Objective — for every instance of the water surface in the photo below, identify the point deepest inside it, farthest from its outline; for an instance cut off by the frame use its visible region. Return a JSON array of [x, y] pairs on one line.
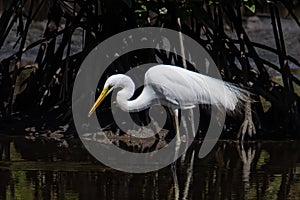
[[46, 170]]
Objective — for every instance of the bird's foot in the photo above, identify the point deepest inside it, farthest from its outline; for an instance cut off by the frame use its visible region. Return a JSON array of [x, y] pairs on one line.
[[248, 125]]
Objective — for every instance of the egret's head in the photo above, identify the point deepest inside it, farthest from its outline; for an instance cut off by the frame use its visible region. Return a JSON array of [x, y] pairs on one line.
[[112, 82]]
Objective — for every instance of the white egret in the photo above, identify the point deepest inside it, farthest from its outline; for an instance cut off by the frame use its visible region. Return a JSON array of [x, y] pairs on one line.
[[175, 87]]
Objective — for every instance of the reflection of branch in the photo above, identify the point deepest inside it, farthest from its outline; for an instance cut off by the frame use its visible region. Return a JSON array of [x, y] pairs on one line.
[[247, 159], [1, 150], [286, 182], [189, 177], [5, 150], [219, 156], [175, 180]]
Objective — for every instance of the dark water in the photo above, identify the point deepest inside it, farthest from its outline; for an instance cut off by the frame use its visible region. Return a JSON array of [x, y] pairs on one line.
[[46, 170]]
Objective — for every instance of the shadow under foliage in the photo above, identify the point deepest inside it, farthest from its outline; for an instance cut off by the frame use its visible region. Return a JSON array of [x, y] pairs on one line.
[[38, 93]]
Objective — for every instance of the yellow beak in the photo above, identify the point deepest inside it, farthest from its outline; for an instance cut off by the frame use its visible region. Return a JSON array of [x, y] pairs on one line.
[[102, 96]]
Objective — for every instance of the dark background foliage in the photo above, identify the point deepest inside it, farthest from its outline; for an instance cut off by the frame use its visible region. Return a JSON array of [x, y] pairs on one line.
[[38, 93]]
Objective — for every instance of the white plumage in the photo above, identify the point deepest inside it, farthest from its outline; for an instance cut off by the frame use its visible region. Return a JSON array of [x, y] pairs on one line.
[[174, 87]]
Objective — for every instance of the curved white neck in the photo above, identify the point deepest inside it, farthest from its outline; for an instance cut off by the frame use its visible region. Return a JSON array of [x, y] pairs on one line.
[[142, 102]]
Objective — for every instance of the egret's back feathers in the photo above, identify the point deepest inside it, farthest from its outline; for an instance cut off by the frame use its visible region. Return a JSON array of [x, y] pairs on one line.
[[177, 87], [187, 88]]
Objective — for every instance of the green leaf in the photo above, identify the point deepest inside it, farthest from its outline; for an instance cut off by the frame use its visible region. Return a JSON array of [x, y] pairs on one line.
[[250, 5], [144, 7], [251, 8], [189, 10], [163, 11], [142, 10], [216, 2]]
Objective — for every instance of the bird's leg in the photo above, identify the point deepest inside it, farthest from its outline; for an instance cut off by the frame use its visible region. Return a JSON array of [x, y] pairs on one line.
[[190, 119], [186, 138], [188, 124], [248, 125], [173, 166], [185, 126], [191, 116], [178, 140], [176, 121]]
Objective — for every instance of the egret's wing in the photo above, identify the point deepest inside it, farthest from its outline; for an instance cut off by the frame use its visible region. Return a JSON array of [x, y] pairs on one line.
[[186, 88]]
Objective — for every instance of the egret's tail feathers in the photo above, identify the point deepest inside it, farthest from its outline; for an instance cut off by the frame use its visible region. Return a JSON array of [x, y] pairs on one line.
[[235, 97], [223, 94]]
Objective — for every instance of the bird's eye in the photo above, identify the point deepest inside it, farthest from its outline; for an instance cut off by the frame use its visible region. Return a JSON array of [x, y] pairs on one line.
[[110, 86]]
